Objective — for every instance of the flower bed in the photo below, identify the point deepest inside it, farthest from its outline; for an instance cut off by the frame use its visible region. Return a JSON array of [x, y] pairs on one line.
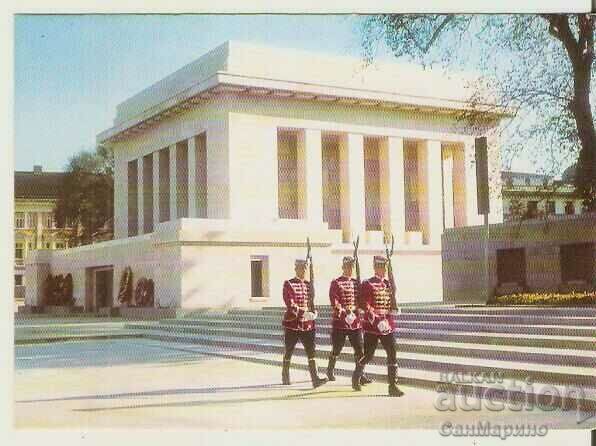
[[555, 299]]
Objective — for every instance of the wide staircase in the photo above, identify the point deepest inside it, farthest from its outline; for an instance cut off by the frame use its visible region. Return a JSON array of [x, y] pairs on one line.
[[538, 355]]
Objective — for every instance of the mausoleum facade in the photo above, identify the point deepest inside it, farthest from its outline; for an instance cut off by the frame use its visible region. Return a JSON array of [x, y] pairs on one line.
[[225, 167]]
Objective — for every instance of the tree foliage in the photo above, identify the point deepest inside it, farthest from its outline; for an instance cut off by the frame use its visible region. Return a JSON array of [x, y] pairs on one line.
[[539, 66], [86, 200]]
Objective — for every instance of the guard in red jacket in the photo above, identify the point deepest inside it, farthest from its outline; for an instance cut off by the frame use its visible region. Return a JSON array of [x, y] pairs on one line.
[[343, 296], [378, 324], [299, 323]]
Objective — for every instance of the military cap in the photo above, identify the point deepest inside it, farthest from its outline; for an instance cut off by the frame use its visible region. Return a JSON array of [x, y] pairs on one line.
[[379, 260], [348, 260], [298, 262]]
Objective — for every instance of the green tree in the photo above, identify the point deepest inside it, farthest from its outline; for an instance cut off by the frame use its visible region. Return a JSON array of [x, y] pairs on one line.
[[539, 66], [86, 198]]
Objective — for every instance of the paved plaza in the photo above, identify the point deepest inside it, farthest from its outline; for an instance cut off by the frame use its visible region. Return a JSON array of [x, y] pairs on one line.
[[143, 383]]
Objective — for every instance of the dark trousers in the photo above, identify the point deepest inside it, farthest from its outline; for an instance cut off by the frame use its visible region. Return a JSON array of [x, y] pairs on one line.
[[338, 339], [291, 337], [371, 341]]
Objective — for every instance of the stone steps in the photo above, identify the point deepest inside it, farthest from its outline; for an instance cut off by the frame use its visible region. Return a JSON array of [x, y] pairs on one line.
[[588, 321], [578, 357], [480, 318], [323, 324], [549, 347], [585, 344], [584, 311], [543, 373]]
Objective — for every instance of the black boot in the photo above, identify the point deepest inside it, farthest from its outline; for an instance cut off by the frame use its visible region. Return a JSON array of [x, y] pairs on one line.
[[314, 377], [356, 376], [285, 373], [365, 379], [391, 374], [331, 367]]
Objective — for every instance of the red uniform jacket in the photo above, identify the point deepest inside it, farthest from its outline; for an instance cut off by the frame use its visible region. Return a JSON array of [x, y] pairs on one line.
[[296, 299], [376, 303], [343, 295]]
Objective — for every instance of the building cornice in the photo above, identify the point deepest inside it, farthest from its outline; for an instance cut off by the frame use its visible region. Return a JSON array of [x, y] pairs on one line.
[[225, 83]]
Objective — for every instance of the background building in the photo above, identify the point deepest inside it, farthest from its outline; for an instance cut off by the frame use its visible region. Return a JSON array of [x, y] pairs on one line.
[[530, 195], [225, 167], [35, 195]]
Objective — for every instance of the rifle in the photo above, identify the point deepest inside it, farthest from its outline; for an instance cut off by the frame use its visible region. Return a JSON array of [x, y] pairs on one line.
[[388, 254], [356, 261], [311, 273]]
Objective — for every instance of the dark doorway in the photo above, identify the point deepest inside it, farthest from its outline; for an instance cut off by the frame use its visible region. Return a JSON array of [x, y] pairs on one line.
[[511, 266], [104, 283], [577, 262]]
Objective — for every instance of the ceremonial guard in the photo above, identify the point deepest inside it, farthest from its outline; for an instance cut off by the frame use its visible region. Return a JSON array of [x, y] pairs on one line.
[[347, 322], [378, 303], [299, 321]]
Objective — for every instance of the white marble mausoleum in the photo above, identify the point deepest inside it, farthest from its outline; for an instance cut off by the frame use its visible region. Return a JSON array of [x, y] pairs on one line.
[[225, 167]]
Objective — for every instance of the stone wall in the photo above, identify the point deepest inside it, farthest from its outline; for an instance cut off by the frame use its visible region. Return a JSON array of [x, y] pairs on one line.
[[463, 253]]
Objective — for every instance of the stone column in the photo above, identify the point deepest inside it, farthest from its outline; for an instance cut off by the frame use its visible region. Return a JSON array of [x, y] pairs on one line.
[[155, 189], [352, 186], [313, 174], [173, 184], [391, 159], [435, 192], [140, 197], [472, 216], [459, 186], [448, 202], [192, 178]]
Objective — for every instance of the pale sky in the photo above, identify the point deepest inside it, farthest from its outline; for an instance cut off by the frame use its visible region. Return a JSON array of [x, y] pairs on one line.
[[72, 71]]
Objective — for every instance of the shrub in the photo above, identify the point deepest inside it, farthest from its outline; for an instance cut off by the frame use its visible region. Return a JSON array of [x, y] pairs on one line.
[[125, 291], [144, 293]]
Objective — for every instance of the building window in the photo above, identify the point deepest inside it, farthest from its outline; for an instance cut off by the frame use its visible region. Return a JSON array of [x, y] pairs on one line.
[[287, 172], [19, 220], [48, 220], [569, 208], [550, 207], [259, 277], [18, 251], [577, 262], [528, 181], [532, 211], [18, 280], [32, 219], [48, 245], [60, 246]]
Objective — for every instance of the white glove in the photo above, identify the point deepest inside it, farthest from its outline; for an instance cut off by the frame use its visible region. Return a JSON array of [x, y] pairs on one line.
[[383, 326], [309, 316], [350, 318]]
